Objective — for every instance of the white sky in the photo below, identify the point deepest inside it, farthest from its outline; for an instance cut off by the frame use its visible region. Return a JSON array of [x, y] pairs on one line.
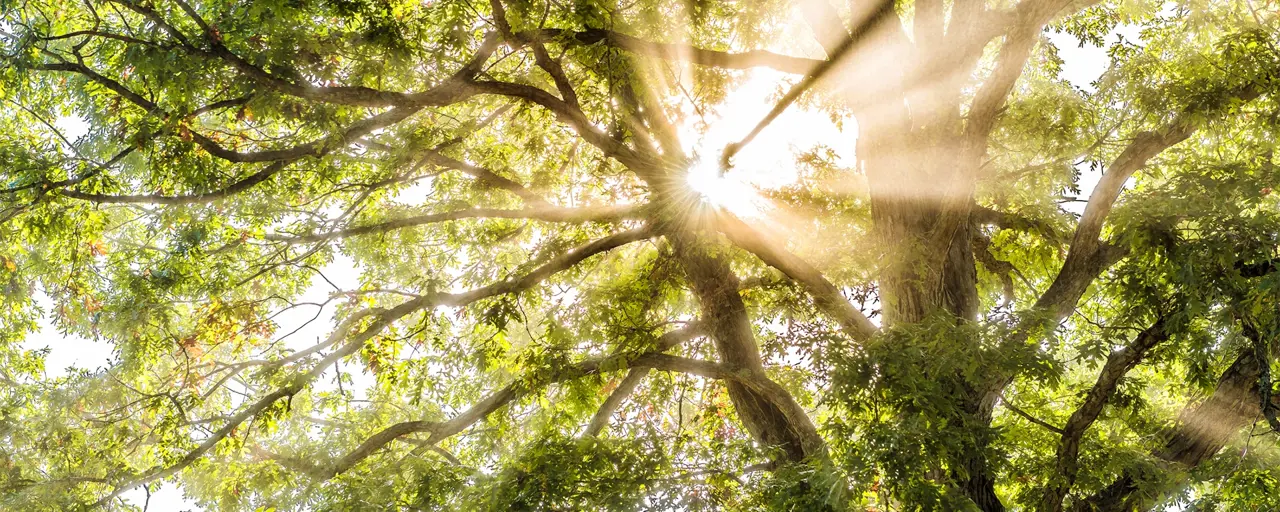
[[757, 166]]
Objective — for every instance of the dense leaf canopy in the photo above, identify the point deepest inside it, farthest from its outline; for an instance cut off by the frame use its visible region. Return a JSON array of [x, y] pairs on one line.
[[543, 286]]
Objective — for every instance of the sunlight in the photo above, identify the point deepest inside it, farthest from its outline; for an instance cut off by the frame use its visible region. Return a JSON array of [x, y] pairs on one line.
[[768, 163], [729, 191]]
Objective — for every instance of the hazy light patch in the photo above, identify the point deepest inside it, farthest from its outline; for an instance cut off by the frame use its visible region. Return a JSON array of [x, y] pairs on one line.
[[307, 325], [417, 192], [71, 127], [168, 497], [1083, 63], [730, 191]]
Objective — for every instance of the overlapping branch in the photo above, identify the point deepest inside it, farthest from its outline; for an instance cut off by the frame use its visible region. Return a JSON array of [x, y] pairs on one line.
[[1202, 431], [439, 431], [380, 321]]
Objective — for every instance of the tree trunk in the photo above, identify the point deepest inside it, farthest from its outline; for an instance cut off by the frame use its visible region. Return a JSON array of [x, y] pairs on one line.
[[921, 276], [725, 315]]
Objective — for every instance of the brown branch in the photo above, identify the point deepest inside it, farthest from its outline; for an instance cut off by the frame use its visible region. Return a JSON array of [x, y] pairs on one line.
[[354, 96], [600, 419], [1005, 270], [675, 52], [446, 93], [280, 158], [1015, 221], [550, 214], [575, 118], [439, 431], [1118, 364], [382, 320], [1027, 416], [1201, 433], [1087, 253], [1086, 249], [1262, 352], [825, 294], [557, 264], [988, 103], [540, 56], [769, 413], [487, 177]]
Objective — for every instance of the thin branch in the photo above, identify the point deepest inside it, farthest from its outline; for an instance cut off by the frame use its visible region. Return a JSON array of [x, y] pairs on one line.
[[825, 294], [439, 431], [1027, 416], [600, 419], [382, 320], [575, 118], [540, 55], [883, 12]]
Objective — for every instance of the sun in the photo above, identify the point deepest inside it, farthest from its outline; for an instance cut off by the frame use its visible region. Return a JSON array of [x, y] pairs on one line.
[[729, 191], [770, 161]]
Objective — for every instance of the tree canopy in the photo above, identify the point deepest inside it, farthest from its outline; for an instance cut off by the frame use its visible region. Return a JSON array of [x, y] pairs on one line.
[[563, 300]]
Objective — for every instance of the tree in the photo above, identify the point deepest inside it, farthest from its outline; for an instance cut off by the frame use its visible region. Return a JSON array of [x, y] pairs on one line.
[[555, 319]]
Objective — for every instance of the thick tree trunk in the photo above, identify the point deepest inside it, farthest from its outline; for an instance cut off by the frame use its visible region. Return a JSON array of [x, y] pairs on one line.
[[923, 275], [725, 315]]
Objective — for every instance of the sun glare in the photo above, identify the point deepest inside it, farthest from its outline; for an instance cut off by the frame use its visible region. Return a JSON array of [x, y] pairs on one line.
[[728, 191], [769, 162]]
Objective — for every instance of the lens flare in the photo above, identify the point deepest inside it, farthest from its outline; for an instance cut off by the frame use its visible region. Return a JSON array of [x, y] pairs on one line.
[[729, 191], [769, 162]]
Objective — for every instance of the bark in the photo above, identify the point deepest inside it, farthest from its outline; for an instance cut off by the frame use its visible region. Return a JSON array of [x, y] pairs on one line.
[[727, 323], [619, 395], [1202, 433], [1118, 364], [825, 294]]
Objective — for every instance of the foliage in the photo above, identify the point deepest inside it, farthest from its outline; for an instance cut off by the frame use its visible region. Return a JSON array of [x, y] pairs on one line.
[[461, 255]]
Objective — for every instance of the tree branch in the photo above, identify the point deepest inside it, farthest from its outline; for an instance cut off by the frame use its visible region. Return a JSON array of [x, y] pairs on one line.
[[600, 419], [883, 12], [1201, 433], [1027, 416], [1118, 364], [825, 294], [575, 118], [487, 177], [439, 431], [549, 214], [1086, 253], [540, 56], [382, 320], [1009, 220]]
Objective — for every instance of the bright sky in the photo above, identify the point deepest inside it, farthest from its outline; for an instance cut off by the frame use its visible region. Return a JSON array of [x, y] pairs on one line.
[[765, 163]]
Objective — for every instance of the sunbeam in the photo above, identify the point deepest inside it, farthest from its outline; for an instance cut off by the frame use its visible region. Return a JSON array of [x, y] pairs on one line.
[[769, 163]]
